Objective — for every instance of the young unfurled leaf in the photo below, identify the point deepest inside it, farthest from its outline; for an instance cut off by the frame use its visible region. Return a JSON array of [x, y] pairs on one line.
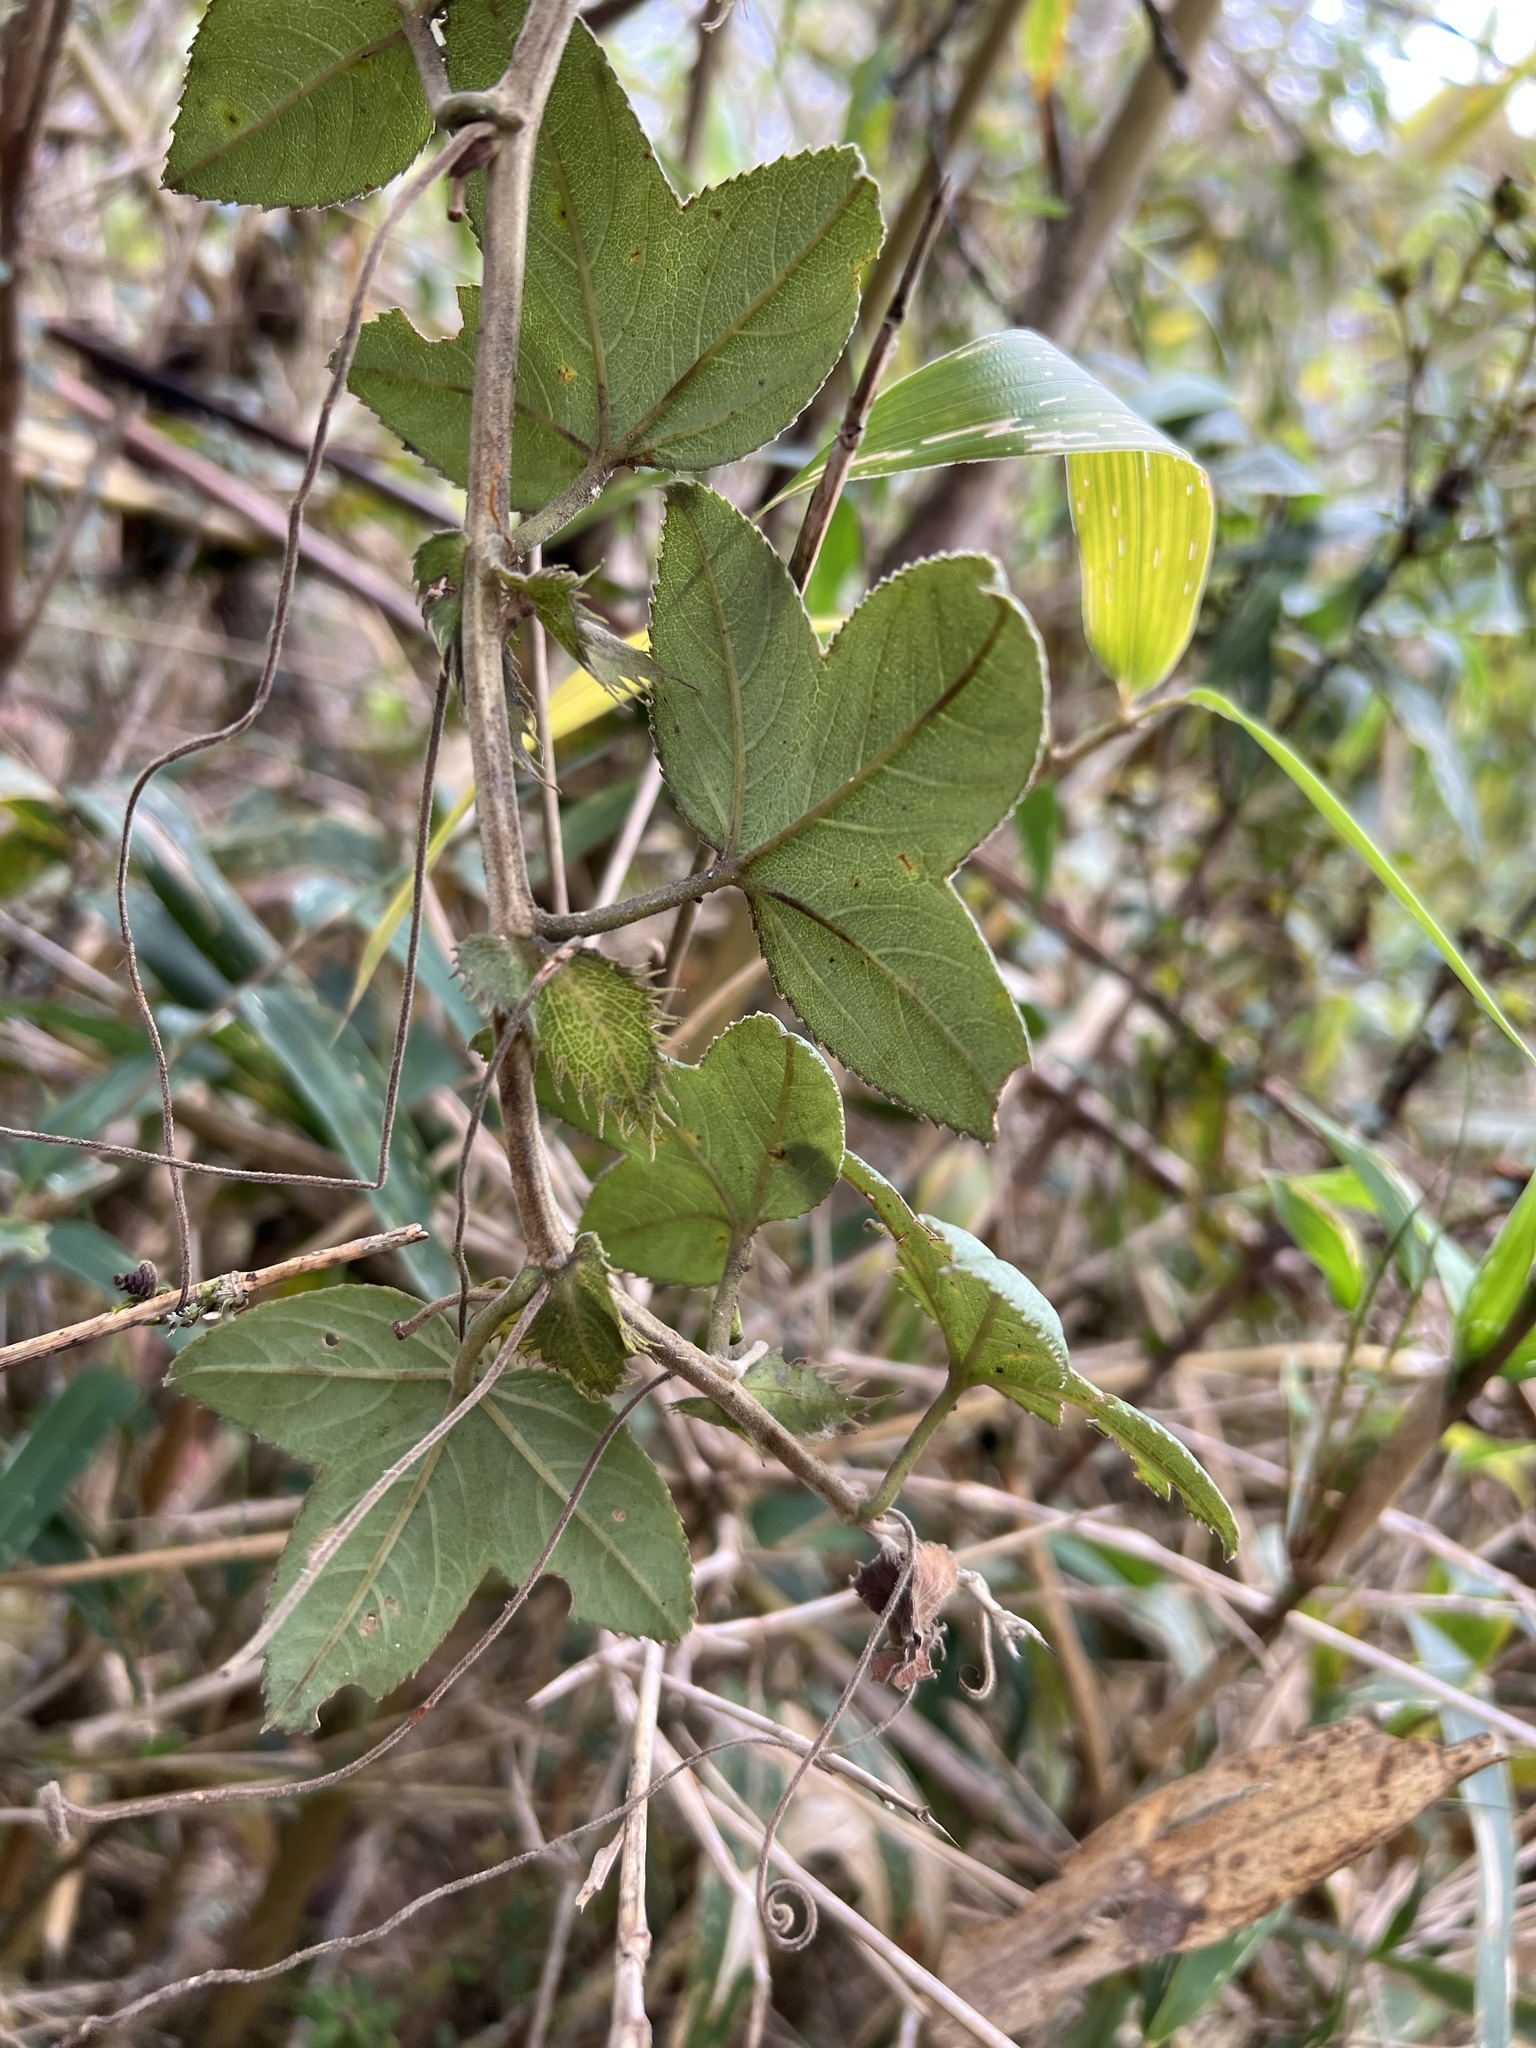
[[553, 594], [325, 1377], [1142, 509], [297, 103], [1327, 1238], [598, 1028], [800, 1396], [438, 569], [1198, 1860], [578, 1331], [848, 786], [1000, 1331], [671, 337], [497, 973], [754, 1135]]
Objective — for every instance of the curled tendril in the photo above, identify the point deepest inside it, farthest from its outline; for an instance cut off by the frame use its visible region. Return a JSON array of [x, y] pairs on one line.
[[781, 1903], [988, 1684]]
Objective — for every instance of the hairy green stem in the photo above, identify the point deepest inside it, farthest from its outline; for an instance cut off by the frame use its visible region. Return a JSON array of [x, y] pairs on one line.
[[486, 1323], [928, 1424], [722, 1310]]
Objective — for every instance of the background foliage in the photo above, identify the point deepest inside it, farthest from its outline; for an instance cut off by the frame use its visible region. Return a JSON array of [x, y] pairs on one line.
[[1265, 1138]]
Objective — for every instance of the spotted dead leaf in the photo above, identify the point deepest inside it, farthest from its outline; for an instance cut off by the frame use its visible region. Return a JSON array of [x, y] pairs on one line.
[[915, 1623], [1198, 1860]]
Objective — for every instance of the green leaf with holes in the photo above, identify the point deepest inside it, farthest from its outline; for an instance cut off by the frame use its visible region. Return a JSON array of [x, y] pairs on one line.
[[324, 1377], [753, 1135], [800, 1396], [1001, 1332], [297, 103], [653, 334], [1142, 508], [845, 788]]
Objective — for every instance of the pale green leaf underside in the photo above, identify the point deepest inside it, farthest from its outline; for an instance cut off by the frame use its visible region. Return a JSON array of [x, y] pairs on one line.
[[998, 1328], [296, 103], [1000, 1331], [671, 337], [324, 1376], [804, 1400], [754, 1135], [850, 785], [1142, 508], [1355, 836], [598, 1027]]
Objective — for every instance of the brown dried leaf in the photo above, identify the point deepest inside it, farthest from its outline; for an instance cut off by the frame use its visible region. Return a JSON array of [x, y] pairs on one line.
[[915, 1623], [1200, 1859]]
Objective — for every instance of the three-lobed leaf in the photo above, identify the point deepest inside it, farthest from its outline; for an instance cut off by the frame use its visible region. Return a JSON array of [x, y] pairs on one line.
[[753, 1135], [297, 103], [653, 334], [1001, 1332], [323, 1376], [847, 786], [1142, 509]]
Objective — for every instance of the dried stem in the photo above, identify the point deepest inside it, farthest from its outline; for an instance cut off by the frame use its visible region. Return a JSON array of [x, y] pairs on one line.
[[829, 486], [30, 44], [211, 1298], [629, 2027]]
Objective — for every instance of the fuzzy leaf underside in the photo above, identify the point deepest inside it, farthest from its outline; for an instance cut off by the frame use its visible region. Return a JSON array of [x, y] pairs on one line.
[[296, 103], [851, 785], [578, 1330], [653, 334], [804, 1400], [1000, 1331], [324, 1377], [598, 1027], [752, 1135], [496, 972]]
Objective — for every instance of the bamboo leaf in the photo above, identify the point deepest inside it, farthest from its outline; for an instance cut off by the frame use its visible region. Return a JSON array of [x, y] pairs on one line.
[[325, 1377], [56, 1449], [1355, 836], [1326, 1237], [1502, 1275], [1143, 510]]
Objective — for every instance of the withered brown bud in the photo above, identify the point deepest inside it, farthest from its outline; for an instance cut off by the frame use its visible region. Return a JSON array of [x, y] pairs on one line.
[[140, 1284]]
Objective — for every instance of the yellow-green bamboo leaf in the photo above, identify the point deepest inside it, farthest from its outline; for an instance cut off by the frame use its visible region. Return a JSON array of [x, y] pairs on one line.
[[1145, 521]]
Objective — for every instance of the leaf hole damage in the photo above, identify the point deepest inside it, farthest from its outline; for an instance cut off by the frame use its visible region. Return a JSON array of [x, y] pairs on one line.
[[331, 1340]]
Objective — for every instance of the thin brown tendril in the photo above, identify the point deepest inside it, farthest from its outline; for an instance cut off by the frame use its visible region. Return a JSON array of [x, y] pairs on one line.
[[786, 1901]]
